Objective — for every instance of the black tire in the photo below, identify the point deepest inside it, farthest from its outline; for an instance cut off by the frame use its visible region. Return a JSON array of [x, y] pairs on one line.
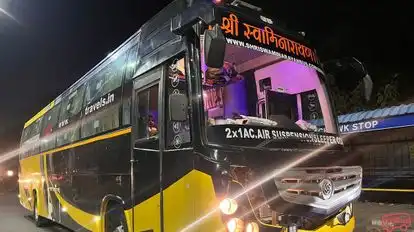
[[39, 220], [115, 220]]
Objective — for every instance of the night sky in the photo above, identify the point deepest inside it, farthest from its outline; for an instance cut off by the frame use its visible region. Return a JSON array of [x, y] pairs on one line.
[[55, 42]]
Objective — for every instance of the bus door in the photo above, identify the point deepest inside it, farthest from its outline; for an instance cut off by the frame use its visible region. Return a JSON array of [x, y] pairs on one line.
[[145, 155]]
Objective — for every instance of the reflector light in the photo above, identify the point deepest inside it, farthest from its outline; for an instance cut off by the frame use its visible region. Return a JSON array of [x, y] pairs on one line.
[[235, 225], [252, 227], [10, 173], [292, 228]]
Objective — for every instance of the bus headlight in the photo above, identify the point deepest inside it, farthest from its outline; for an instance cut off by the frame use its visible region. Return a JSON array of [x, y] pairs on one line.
[[10, 173], [228, 206], [348, 209], [235, 225], [252, 227], [346, 215], [292, 228]]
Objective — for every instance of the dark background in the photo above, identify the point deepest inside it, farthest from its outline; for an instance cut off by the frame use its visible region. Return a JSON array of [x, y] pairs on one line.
[[55, 42]]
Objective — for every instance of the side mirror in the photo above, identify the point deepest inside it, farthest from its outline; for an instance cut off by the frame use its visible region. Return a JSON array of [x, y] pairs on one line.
[[347, 74], [178, 103], [214, 47]]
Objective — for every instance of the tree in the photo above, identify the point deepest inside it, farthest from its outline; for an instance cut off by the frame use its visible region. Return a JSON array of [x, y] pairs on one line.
[[353, 101], [346, 102], [388, 94]]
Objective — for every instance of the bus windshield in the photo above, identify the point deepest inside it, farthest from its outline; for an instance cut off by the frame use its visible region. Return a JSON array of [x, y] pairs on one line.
[[255, 90]]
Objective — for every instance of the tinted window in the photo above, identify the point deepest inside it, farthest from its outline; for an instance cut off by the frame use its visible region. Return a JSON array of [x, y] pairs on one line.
[[103, 94], [131, 67], [49, 125], [102, 118], [126, 104], [24, 148], [147, 112], [30, 145], [35, 130], [106, 80], [68, 123], [132, 62], [25, 134]]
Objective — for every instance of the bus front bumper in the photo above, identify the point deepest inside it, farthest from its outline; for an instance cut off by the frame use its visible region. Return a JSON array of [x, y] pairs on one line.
[[332, 225]]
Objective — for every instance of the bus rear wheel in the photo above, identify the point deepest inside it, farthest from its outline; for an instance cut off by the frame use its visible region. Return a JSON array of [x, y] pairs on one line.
[[115, 220], [39, 220]]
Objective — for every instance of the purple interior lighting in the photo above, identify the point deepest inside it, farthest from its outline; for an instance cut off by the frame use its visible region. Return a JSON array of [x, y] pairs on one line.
[[293, 77], [154, 114], [296, 78], [235, 99]]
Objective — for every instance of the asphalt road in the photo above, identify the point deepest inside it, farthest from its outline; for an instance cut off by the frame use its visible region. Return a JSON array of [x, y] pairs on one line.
[[369, 215], [14, 218]]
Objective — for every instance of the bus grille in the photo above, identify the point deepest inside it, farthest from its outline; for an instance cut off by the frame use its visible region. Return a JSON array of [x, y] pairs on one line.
[[320, 187]]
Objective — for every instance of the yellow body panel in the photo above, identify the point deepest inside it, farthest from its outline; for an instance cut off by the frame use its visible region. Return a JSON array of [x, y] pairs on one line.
[[186, 201], [190, 199], [89, 221], [334, 226], [147, 214], [31, 180], [190, 204]]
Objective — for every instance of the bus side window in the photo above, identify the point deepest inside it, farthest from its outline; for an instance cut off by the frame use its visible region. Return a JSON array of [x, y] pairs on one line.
[[31, 141], [102, 99], [69, 116], [49, 124], [23, 145], [130, 68], [147, 112], [131, 63], [126, 104]]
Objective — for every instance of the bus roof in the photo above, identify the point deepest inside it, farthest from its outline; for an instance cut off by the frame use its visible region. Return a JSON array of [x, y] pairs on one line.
[[39, 114]]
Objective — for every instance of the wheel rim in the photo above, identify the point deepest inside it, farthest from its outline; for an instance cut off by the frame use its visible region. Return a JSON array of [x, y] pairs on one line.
[[35, 212]]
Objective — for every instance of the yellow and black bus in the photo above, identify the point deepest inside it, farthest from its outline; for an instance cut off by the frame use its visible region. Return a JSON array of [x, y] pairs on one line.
[[201, 121]]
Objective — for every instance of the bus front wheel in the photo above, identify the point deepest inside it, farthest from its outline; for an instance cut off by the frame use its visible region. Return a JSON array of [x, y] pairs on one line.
[[115, 219]]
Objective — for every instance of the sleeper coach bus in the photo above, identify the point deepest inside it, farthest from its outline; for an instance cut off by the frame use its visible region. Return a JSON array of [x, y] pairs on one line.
[[200, 121]]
